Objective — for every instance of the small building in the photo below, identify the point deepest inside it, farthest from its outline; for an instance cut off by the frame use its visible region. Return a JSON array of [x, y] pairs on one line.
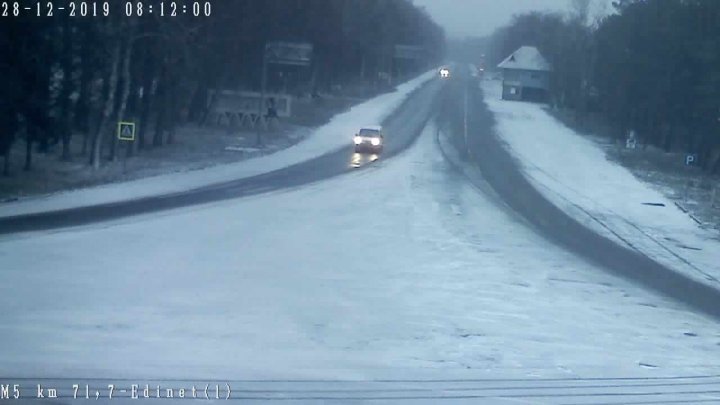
[[526, 75]]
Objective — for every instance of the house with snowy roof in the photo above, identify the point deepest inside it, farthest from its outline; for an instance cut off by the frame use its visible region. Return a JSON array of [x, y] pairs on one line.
[[526, 75]]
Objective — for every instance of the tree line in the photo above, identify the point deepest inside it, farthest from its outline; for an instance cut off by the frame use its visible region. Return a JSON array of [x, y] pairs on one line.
[[651, 66], [67, 77]]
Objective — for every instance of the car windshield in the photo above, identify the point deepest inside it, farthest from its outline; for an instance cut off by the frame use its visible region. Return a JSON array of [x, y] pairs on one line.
[[369, 132], [360, 201]]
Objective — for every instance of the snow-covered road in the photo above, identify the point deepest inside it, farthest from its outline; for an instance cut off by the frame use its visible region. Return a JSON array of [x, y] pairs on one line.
[[399, 270]]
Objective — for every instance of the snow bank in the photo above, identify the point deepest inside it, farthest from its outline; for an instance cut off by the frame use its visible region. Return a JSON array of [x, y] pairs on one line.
[[328, 138], [574, 173]]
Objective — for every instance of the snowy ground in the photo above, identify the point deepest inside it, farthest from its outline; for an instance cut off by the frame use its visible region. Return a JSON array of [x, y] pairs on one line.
[[399, 270], [332, 136], [194, 147], [575, 174], [695, 190]]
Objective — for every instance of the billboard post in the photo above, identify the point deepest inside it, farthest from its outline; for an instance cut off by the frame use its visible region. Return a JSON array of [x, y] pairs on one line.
[[280, 53]]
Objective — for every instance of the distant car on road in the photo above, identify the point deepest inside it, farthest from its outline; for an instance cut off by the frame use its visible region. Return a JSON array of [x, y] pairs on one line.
[[369, 139], [444, 72]]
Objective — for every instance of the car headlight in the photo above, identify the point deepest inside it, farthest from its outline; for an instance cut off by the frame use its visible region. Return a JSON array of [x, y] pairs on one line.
[[375, 141], [357, 140]]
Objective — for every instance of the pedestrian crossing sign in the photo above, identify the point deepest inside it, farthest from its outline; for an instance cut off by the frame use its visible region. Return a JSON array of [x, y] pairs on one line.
[[126, 131]]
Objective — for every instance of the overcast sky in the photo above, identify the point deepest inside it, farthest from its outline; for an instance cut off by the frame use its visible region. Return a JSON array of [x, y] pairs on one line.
[[462, 18]]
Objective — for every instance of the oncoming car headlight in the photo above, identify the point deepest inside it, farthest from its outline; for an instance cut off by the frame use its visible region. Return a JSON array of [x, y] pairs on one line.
[[375, 141], [357, 140]]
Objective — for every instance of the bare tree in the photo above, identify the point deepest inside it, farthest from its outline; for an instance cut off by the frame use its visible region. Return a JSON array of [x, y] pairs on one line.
[[109, 104], [125, 78], [581, 10], [67, 89]]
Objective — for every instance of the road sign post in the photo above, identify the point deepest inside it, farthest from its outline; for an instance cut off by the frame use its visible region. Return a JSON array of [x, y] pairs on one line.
[[126, 133], [631, 140], [690, 160], [404, 54], [280, 53]]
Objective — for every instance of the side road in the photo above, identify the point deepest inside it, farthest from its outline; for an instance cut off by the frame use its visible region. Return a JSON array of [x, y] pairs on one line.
[[574, 173], [504, 172]]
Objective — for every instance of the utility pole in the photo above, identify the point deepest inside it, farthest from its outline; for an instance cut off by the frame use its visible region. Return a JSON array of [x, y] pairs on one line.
[[263, 86], [465, 123]]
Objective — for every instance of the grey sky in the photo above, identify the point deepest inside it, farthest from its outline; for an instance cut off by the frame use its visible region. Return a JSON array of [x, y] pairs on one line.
[[480, 17]]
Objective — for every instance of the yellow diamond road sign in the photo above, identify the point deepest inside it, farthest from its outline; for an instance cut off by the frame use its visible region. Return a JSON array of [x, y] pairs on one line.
[[126, 131]]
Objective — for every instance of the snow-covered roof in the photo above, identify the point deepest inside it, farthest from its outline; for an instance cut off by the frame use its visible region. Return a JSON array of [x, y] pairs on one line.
[[526, 58]]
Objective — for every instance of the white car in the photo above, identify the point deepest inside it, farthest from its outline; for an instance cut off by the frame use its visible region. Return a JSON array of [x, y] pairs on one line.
[[369, 139], [444, 73]]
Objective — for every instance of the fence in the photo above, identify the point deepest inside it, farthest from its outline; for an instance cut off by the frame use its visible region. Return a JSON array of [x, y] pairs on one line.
[[242, 108]]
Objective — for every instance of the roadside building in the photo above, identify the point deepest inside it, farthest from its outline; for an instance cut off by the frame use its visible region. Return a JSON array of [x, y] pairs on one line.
[[526, 75]]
